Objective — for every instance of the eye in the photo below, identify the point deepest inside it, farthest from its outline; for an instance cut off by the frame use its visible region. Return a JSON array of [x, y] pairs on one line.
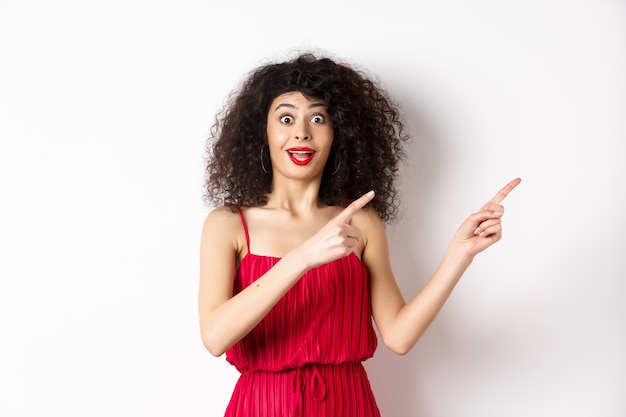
[[318, 118], [286, 119]]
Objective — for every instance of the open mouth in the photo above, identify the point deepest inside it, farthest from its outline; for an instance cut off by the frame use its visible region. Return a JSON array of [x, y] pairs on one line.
[[301, 156]]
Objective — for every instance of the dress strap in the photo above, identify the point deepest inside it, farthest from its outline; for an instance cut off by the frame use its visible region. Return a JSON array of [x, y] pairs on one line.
[[245, 227]]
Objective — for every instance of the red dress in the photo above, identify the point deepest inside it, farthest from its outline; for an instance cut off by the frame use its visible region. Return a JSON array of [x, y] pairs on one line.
[[304, 358]]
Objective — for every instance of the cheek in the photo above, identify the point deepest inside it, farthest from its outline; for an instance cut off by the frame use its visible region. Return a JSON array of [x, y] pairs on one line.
[[274, 134], [275, 141], [329, 140]]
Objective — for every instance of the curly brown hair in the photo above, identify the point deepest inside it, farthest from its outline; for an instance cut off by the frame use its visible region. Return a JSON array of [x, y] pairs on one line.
[[367, 145]]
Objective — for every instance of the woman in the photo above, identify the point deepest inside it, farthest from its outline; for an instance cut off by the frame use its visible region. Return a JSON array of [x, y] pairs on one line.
[[294, 259]]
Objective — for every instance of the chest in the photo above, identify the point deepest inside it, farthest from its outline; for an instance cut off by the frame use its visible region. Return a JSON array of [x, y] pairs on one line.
[[277, 237]]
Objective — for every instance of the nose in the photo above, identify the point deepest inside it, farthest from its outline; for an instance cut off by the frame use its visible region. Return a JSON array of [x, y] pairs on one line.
[[302, 131]]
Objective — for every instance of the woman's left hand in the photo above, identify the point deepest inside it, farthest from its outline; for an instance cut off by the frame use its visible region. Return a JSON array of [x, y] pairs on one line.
[[483, 228]]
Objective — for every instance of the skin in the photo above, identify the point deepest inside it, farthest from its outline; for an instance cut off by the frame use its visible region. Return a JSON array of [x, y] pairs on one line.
[[304, 233]]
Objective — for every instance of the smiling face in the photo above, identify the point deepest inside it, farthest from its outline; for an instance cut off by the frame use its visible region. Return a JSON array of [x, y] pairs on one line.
[[300, 135]]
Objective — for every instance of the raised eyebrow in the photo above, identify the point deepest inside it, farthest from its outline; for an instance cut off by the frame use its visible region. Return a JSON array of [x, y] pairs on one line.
[[291, 106]]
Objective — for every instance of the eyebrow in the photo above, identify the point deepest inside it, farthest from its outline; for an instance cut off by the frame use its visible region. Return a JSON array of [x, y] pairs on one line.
[[291, 106]]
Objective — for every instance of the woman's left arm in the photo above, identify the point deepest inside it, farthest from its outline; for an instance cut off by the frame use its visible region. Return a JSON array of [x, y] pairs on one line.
[[401, 323]]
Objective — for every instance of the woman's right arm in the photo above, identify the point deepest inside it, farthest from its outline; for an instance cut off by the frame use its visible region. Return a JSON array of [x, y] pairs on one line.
[[224, 318]]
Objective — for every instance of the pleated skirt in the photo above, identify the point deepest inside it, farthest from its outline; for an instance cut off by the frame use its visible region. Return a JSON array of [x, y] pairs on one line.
[[313, 390]]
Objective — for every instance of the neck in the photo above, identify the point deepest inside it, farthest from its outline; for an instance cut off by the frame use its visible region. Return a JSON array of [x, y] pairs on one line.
[[294, 196]]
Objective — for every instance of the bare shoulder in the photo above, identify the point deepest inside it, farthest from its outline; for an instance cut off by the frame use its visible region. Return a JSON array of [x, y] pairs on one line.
[[222, 217], [370, 225], [222, 226], [367, 219], [221, 214]]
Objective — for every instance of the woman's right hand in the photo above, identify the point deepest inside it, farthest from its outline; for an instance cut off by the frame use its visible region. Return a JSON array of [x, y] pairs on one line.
[[337, 238]]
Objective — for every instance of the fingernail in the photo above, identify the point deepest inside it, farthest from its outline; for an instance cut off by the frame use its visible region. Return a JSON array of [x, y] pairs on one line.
[[477, 231], [498, 213]]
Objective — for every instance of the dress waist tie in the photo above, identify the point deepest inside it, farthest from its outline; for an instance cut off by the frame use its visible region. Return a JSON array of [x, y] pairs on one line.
[[300, 382]]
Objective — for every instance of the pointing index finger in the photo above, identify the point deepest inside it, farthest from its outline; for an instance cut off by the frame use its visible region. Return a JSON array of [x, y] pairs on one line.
[[355, 206], [497, 199]]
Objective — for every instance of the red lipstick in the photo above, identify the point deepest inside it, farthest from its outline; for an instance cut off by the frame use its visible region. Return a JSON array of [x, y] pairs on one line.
[[301, 155]]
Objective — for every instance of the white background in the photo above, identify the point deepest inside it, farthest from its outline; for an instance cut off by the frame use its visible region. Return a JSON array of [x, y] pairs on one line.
[[104, 109]]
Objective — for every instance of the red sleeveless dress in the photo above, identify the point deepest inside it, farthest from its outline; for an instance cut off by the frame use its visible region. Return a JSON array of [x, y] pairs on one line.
[[304, 358]]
